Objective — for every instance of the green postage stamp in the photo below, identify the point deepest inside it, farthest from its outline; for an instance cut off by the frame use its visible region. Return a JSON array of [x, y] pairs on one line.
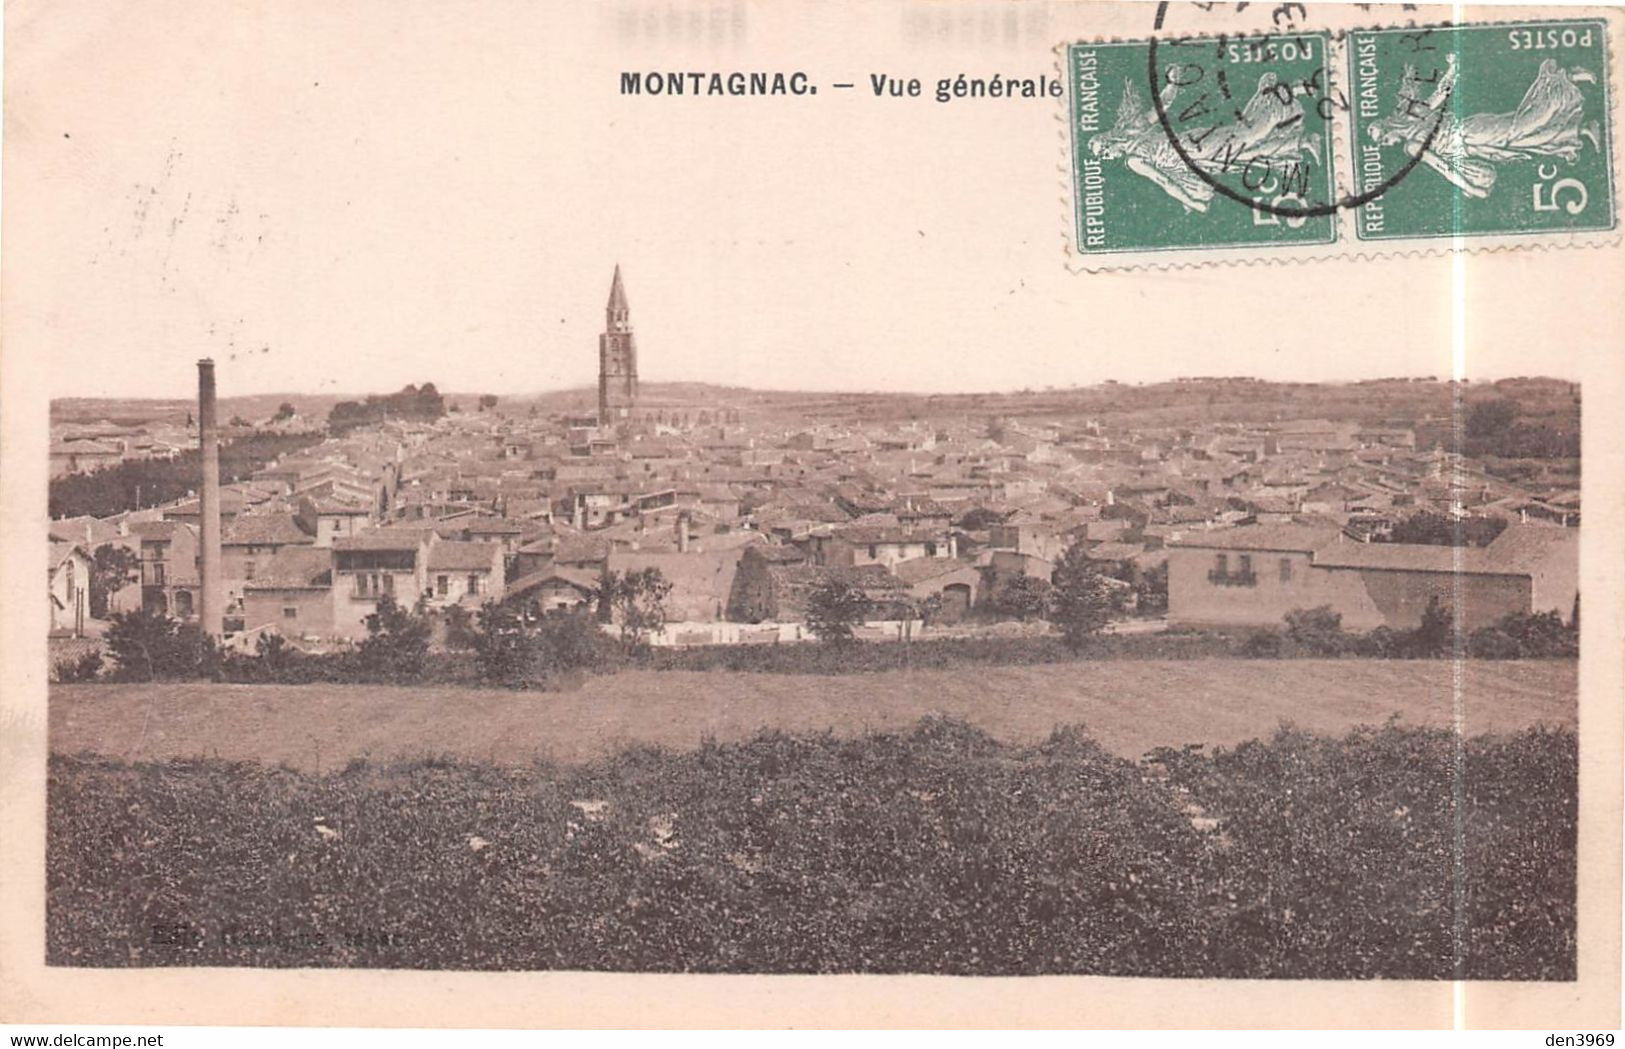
[[1202, 147], [1228, 151], [1505, 126]]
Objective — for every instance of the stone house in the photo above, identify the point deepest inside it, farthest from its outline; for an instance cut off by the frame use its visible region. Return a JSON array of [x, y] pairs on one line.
[[1254, 575]]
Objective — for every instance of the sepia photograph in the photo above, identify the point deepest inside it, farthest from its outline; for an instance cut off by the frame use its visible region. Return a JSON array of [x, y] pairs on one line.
[[1053, 490]]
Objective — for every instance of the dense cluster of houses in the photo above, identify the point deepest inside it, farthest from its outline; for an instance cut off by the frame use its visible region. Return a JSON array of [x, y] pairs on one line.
[[84, 447], [744, 511]]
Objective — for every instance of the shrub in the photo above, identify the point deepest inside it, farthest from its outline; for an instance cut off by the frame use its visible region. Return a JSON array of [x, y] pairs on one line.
[[397, 643], [935, 850], [1318, 630], [460, 633], [1262, 644], [84, 667], [148, 645], [1381, 642], [1151, 591], [1541, 635], [1022, 597]]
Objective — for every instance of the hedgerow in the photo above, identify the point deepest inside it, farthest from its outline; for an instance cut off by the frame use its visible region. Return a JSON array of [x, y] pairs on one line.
[[939, 850]]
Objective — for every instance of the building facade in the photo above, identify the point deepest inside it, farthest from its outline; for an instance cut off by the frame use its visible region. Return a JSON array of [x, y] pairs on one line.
[[1254, 575]]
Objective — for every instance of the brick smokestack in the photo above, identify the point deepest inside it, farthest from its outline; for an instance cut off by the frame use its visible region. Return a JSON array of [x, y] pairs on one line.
[[211, 596]]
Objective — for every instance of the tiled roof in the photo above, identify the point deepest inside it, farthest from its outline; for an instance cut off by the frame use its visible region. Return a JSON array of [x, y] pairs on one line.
[[264, 530], [463, 557], [1528, 546], [60, 552], [1412, 557], [862, 534], [156, 529], [919, 569], [582, 580], [294, 568], [382, 539], [872, 579], [1285, 537], [577, 548]]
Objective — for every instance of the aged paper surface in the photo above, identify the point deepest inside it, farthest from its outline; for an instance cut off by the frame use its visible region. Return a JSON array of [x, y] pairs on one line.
[[336, 201]]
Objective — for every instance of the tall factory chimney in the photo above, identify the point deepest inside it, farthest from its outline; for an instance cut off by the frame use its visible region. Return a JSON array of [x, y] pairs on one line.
[[211, 610]]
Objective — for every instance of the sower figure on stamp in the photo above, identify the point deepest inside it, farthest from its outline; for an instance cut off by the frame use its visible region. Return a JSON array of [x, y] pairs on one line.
[[1547, 123], [1269, 131]]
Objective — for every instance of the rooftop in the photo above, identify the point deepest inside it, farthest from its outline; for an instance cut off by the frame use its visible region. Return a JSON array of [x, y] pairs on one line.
[[464, 557]]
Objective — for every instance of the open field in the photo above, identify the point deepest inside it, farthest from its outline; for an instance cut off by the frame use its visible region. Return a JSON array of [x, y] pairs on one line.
[[1129, 707]]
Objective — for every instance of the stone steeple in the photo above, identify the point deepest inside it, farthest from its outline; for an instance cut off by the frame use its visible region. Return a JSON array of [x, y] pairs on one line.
[[617, 358]]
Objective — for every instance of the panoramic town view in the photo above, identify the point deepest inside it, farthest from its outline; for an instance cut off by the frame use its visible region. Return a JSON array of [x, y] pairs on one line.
[[1206, 677]]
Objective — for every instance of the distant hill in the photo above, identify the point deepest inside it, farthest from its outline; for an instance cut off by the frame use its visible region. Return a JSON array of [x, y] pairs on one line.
[[1181, 402], [254, 408]]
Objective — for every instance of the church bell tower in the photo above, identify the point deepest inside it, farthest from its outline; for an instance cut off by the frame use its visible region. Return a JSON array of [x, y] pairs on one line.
[[617, 358]]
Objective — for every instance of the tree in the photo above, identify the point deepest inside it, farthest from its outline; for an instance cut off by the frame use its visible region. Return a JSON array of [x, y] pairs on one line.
[[150, 646], [137, 483], [1082, 599], [636, 601], [1436, 529], [1022, 597], [834, 608], [1437, 632], [112, 568], [502, 651], [284, 411], [487, 400], [397, 641], [515, 649]]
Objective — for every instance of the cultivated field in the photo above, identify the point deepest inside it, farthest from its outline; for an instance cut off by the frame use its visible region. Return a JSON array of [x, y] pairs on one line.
[[1128, 706]]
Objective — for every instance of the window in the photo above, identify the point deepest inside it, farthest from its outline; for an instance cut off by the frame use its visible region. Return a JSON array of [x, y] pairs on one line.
[[290, 612], [874, 551], [930, 549], [248, 570], [442, 584], [1286, 569], [1221, 575], [473, 583]]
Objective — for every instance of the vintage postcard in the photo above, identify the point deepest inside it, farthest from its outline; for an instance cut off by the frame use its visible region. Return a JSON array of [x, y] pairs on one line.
[[889, 514]]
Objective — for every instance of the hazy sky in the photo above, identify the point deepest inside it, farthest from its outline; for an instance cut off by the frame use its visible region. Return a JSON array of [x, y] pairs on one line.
[[354, 196]]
